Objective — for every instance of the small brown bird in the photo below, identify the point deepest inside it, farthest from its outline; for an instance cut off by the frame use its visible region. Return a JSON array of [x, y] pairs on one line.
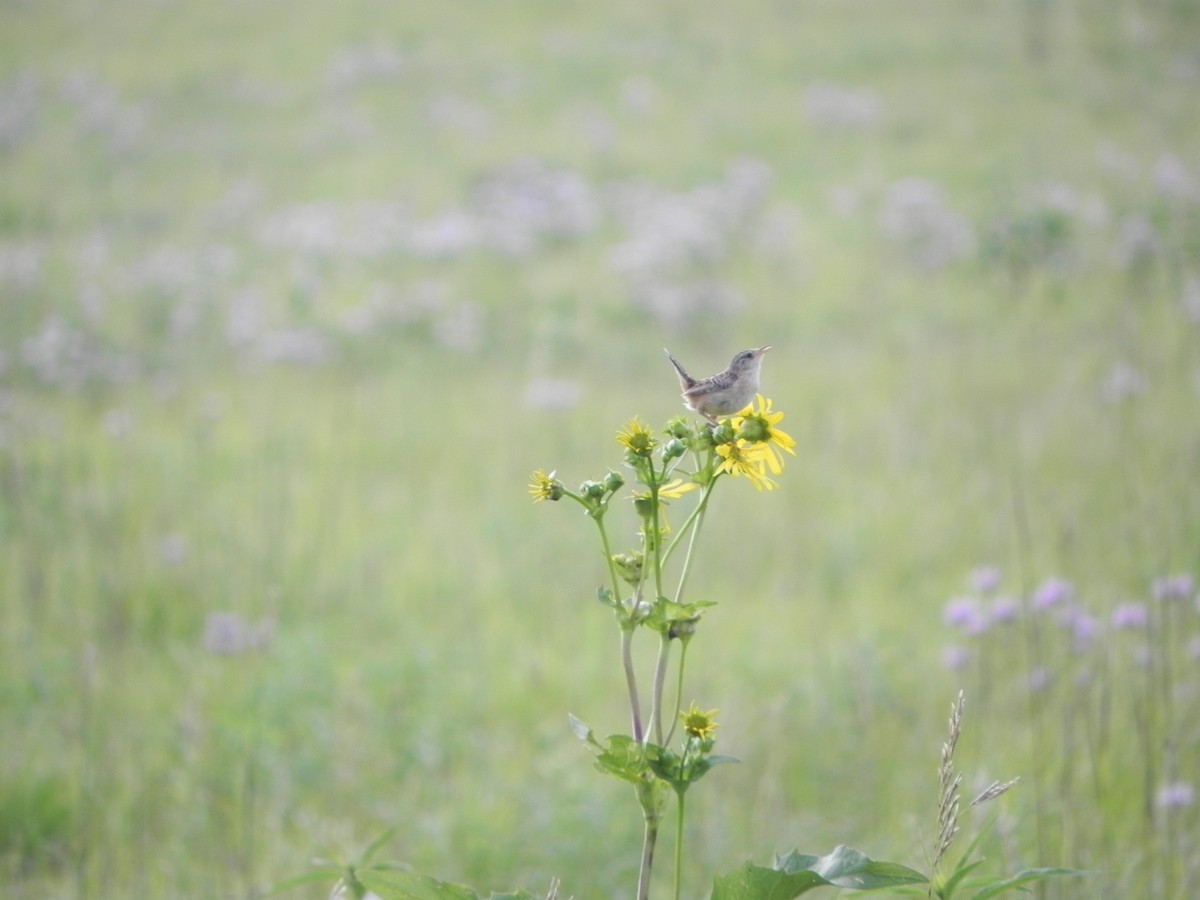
[[726, 392]]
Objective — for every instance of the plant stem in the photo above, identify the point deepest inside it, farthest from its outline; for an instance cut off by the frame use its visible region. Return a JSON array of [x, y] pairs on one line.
[[649, 839], [698, 510], [656, 540], [678, 691], [679, 843], [699, 520], [660, 679], [635, 711], [608, 558]]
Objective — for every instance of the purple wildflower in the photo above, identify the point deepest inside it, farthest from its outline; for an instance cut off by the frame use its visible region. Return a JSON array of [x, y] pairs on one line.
[[965, 614], [1126, 616], [1175, 794], [1052, 592], [1084, 628], [985, 579], [1173, 587]]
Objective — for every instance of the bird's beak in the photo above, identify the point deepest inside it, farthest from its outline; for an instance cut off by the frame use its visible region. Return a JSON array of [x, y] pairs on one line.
[[762, 350]]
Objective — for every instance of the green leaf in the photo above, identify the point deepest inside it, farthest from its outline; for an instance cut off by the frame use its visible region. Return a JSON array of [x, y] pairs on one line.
[[705, 763], [666, 612], [623, 757], [409, 886], [516, 895], [847, 868], [1025, 877], [797, 873], [751, 882]]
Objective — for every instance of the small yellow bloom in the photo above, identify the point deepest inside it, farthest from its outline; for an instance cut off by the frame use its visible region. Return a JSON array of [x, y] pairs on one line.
[[676, 488], [699, 723], [756, 424], [637, 438], [545, 487], [671, 490], [742, 458]]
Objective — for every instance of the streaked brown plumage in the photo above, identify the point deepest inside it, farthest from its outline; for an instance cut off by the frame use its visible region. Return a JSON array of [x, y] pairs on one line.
[[726, 392]]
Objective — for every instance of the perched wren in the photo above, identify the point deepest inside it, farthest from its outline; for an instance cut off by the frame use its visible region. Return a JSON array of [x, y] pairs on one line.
[[725, 393]]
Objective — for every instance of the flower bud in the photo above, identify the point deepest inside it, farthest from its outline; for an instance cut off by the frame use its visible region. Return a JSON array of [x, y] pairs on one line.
[[673, 449], [679, 428], [753, 429], [723, 433], [683, 628], [613, 481], [593, 490], [629, 566], [644, 506]]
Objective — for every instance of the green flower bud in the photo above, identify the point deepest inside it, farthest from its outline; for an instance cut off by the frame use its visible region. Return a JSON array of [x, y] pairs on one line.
[[613, 481], [753, 429], [644, 506], [683, 628], [679, 428], [673, 449], [723, 433], [629, 566], [593, 490]]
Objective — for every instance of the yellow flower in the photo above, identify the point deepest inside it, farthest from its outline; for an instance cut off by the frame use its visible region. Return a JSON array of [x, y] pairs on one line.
[[757, 425], [637, 438], [676, 488], [673, 490], [545, 487], [742, 458], [698, 723]]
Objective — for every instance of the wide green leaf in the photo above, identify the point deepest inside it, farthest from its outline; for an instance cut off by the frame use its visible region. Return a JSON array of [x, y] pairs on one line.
[[622, 757], [751, 882], [846, 867], [797, 873]]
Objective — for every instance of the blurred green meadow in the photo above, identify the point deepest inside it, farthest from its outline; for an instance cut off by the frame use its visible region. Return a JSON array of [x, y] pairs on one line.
[[294, 297]]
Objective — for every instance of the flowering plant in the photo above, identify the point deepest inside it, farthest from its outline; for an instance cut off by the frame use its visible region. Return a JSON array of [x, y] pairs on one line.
[[684, 458]]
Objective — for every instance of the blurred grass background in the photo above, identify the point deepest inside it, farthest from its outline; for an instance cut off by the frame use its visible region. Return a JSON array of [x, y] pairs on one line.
[[295, 296]]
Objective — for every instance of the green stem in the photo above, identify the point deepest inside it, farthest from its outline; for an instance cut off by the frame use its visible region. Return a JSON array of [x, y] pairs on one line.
[[608, 558], [679, 843], [678, 691], [649, 839], [635, 711], [698, 510], [656, 536], [660, 680], [701, 507]]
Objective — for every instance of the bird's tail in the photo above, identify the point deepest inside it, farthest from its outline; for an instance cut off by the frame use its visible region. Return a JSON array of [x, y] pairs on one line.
[[685, 380]]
